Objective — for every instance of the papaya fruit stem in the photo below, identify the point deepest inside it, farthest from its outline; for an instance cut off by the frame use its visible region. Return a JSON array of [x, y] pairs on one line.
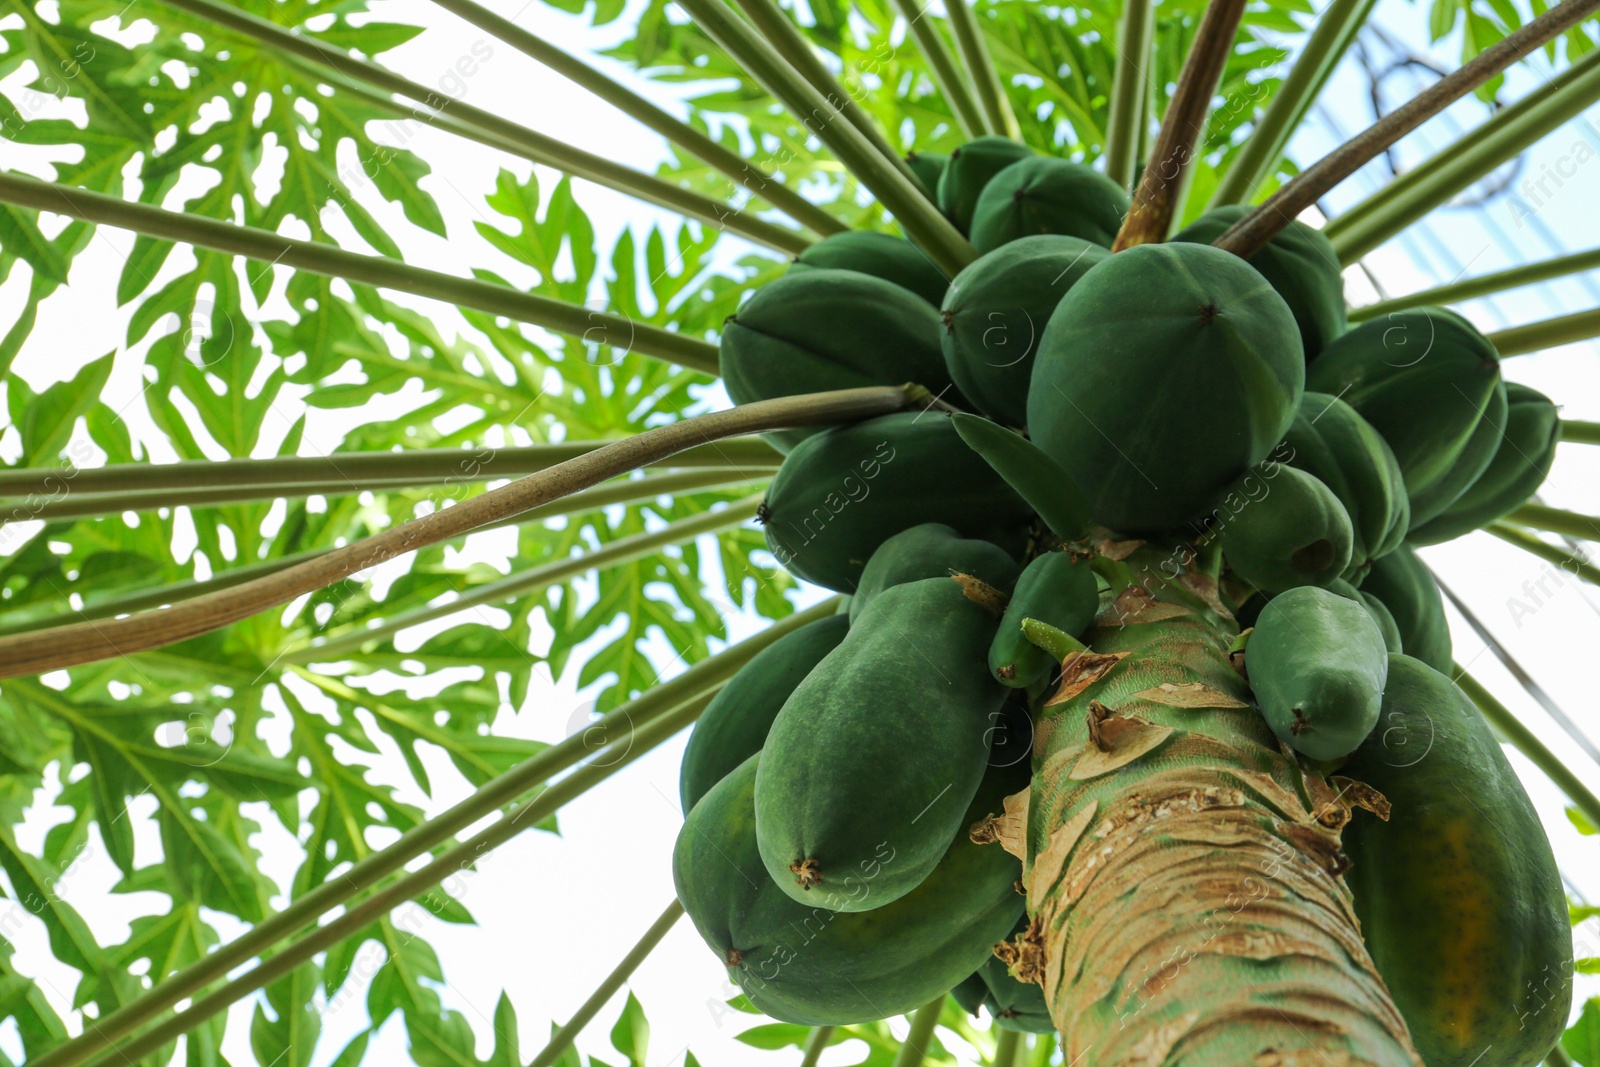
[[1150, 217], [675, 130], [268, 247], [70, 645], [1060, 644], [1251, 233]]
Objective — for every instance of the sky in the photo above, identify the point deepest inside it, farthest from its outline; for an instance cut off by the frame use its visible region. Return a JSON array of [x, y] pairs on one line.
[[556, 913]]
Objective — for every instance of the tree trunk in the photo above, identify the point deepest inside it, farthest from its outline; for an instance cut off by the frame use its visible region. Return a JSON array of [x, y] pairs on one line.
[[1182, 872]]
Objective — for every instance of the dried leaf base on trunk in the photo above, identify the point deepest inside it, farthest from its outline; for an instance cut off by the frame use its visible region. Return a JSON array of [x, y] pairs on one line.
[[1182, 873]]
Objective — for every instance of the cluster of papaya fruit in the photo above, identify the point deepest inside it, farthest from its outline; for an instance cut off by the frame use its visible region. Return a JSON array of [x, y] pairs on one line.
[[1169, 394]]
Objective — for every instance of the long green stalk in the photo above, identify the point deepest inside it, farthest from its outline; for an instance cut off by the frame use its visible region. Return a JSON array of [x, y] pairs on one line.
[[1582, 433], [1330, 38], [923, 1023], [78, 643], [1252, 232], [1524, 741], [792, 47], [1501, 138], [1557, 521], [562, 1039], [1552, 554], [83, 505], [340, 67], [1558, 1057], [618, 331], [675, 130], [991, 90], [1044, 1047], [694, 683], [947, 76], [618, 551], [418, 466], [1537, 336], [815, 1043], [1128, 83], [609, 760], [1483, 285], [1006, 1044], [883, 177]]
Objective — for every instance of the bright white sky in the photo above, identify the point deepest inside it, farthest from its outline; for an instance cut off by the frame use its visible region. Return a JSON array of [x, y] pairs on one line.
[[555, 914]]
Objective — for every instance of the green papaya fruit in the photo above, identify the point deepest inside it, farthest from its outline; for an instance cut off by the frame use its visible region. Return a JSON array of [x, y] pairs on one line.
[[1045, 195], [971, 167], [842, 493], [970, 993], [1057, 588], [1280, 527], [1460, 900], [1423, 378], [1402, 584], [1317, 664], [932, 550], [1520, 464], [995, 311], [829, 329], [894, 259], [801, 963], [1299, 263], [1471, 462], [1165, 373], [734, 725], [881, 747], [1375, 608], [1331, 440], [928, 168]]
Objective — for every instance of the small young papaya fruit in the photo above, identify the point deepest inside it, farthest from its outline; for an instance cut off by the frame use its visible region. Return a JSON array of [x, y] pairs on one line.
[[1521, 462], [894, 259], [1402, 583], [1330, 439], [734, 725], [843, 492], [1165, 373], [1317, 665], [995, 311], [1013, 1004], [1055, 588], [971, 167], [829, 329], [1461, 903], [879, 750], [800, 963], [1045, 195], [1424, 379], [932, 550], [1288, 529], [1375, 608], [1042, 482], [1299, 263], [928, 168]]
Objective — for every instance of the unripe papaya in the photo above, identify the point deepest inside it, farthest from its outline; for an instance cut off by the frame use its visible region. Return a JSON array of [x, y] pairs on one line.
[[1317, 664], [1471, 463], [1299, 263], [894, 259], [804, 964], [995, 311], [1331, 440], [928, 168], [842, 493], [971, 167], [1292, 531], [932, 550], [1056, 588], [1460, 900], [1404, 586], [734, 725], [1520, 464], [829, 329], [1375, 608], [1423, 378], [1045, 195], [880, 749], [1165, 373]]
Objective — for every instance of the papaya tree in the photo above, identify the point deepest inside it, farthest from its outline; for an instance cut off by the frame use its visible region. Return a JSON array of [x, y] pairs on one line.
[[1132, 733]]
